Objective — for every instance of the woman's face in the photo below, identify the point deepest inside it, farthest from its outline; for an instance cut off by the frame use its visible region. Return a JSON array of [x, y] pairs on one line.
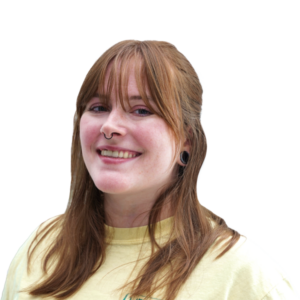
[[135, 130]]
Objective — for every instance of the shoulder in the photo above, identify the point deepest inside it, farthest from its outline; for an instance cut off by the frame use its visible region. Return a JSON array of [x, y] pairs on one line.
[[243, 272], [31, 237], [247, 257], [17, 273]]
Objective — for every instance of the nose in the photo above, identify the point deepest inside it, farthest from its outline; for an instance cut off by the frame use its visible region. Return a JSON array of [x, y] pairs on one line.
[[114, 121]]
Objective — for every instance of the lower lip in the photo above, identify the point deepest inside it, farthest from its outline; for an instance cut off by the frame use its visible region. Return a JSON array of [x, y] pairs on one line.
[[114, 160]]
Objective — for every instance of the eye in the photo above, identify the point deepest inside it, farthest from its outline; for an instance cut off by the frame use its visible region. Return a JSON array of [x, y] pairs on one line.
[[144, 111], [93, 108]]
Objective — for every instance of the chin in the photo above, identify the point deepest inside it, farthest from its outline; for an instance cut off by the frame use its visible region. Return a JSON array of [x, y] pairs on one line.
[[111, 186]]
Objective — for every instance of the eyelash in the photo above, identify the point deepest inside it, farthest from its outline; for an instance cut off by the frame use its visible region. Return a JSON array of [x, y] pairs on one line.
[[148, 113]]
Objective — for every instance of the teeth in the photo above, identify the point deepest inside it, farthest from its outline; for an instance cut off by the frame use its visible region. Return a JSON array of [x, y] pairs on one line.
[[120, 154]]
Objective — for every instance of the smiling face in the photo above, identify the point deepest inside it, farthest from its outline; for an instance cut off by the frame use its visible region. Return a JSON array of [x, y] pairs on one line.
[[134, 129]]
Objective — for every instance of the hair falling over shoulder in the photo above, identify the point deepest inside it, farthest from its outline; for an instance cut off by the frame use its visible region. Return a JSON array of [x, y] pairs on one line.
[[79, 246]]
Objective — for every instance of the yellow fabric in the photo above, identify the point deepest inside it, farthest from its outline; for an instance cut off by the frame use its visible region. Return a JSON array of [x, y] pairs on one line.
[[243, 272]]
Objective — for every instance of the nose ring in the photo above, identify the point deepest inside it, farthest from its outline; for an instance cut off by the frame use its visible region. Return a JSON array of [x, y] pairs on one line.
[[108, 138]]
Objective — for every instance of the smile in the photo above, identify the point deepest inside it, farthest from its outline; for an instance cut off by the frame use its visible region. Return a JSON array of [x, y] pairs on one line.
[[118, 154], [115, 160]]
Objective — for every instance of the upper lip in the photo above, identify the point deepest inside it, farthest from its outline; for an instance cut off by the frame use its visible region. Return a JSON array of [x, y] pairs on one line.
[[114, 148]]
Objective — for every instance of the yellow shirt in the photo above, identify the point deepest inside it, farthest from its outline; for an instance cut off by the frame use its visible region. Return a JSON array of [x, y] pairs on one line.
[[244, 272]]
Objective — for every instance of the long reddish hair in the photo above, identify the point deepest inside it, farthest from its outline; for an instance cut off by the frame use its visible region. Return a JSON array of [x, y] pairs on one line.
[[79, 245]]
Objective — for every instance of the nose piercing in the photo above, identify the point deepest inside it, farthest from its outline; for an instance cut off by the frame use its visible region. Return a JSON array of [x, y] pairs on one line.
[[108, 138]]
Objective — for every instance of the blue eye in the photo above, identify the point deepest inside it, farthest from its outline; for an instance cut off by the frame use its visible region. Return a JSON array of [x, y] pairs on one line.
[[140, 109], [92, 109]]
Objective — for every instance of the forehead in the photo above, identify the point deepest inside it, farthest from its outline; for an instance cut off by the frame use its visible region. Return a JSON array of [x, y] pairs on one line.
[[133, 97], [125, 72], [133, 91], [118, 66]]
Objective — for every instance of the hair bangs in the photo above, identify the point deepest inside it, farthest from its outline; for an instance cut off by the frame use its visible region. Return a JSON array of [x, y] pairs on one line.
[[114, 81], [163, 74]]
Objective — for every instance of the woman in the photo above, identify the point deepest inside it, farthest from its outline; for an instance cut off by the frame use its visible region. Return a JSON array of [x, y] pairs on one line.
[[134, 228]]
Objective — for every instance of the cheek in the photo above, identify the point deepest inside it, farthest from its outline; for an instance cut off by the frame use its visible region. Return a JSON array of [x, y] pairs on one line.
[[88, 131], [155, 138], [147, 135]]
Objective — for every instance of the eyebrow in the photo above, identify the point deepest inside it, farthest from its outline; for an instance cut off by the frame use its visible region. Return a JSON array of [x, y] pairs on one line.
[[131, 98]]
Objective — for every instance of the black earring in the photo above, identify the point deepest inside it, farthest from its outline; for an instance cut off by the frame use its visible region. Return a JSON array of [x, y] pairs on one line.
[[184, 157]]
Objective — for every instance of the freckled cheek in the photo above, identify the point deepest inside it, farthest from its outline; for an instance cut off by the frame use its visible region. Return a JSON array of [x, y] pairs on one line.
[[146, 137], [89, 131], [154, 138]]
